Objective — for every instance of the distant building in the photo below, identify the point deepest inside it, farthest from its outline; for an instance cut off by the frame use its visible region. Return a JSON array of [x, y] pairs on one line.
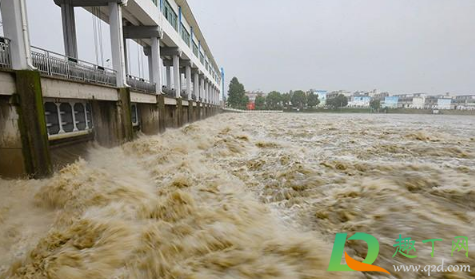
[[444, 103], [416, 100], [253, 95], [322, 97], [333, 94], [438, 102], [380, 96], [464, 102], [359, 101], [390, 102]]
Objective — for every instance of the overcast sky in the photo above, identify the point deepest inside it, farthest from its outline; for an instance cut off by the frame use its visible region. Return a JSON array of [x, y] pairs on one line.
[[400, 46]]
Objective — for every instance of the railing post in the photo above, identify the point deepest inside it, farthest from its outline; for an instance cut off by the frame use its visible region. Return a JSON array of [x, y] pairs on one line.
[[48, 68], [86, 117], [68, 75], [75, 127]]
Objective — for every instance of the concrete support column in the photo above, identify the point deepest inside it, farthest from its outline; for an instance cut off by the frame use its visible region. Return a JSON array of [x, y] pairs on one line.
[[206, 100], [196, 86], [176, 75], [209, 91], [214, 94], [117, 42], [156, 65], [15, 28], [150, 66], [169, 77], [182, 81], [69, 30], [126, 58], [188, 82], [202, 88]]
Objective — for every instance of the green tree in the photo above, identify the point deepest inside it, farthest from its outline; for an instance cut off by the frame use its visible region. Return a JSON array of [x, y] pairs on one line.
[[338, 102], [312, 100], [236, 94], [299, 99], [375, 104], [286, 99], [260, 102], [273, 100]]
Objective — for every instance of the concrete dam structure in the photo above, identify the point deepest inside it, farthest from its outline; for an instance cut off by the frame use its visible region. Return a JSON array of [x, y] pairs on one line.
[[51, 103]]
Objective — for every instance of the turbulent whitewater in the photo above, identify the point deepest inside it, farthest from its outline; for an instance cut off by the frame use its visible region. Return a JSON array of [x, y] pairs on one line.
[[248, 196]]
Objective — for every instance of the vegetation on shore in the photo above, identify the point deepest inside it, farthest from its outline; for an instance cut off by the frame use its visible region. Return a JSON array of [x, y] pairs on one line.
[[301, 101]]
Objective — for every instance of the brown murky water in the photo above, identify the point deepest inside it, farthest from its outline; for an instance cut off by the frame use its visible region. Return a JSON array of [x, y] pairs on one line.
[[248, 196]]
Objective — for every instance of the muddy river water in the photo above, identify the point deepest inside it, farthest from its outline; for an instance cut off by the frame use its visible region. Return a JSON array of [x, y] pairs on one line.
[[249, 196]]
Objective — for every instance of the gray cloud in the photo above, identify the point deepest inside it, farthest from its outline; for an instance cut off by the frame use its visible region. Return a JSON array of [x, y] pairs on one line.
[[401, 46]]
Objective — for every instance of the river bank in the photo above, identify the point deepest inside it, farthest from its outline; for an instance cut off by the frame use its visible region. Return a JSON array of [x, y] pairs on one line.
[[387, 111]]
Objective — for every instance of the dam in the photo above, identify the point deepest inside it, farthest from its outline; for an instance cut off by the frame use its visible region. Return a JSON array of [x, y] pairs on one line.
[[52, 104]]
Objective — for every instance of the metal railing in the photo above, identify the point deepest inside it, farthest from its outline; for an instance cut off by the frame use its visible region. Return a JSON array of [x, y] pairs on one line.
[[141, 85], [183, 94], [55, 64], [5, 58], [169, 92]]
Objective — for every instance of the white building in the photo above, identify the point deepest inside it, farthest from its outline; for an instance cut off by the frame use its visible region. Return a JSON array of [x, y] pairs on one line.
[[180, 61], [444, 103], [464, 102], [322, 97], [360, 102], [416, 100], [438, 102]]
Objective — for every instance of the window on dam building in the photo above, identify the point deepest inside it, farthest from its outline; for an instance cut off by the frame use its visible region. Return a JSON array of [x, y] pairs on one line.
[[68, 117], [185, 35], [170, 15], [195, 49], [134, 114]]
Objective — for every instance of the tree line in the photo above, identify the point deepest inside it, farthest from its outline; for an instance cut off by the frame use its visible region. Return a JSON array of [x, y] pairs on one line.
[[278, 101]]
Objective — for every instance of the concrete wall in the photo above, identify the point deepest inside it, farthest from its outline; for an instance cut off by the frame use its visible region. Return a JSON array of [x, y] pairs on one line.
[[7, 83], [106, 123], [67, 150], [58, 88], [149, 118], [11, 156], [171, 116], [184, 115]]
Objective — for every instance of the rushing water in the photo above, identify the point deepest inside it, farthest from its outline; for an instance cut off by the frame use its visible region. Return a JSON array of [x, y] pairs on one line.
[[248, 196]]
